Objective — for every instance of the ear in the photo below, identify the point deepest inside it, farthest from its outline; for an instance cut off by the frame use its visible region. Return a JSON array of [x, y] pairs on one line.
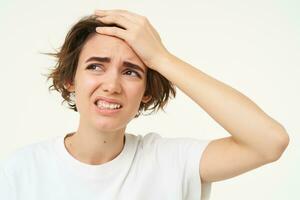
[[69, 86], [146, 99]]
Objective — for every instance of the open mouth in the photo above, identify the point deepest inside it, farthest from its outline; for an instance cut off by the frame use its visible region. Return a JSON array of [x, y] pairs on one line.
[[104, 105]]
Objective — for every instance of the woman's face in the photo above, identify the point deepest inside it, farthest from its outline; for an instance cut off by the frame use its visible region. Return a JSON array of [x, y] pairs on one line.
[[109, 69]]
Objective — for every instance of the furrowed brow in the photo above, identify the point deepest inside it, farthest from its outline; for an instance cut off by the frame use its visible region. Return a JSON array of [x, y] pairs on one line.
[[99, 59], [133, 66], [107, 60]]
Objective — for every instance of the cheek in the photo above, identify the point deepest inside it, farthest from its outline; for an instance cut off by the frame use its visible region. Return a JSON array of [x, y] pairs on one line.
[[86, 82], [136, 93], [136, 88], [84, 88]]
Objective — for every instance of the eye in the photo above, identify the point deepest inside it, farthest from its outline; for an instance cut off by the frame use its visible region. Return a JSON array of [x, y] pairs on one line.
[[130, 72], [94, 66]]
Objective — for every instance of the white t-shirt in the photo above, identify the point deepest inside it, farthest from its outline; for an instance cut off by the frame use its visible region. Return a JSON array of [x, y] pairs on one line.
[[149, 167]]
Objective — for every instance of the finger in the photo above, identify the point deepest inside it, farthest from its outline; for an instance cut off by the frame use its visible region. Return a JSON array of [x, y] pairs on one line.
[[124, 13], [154, 31], [112, 31], [114, 11], [120, 11], [100, 13], [138, 19], [116, 19]]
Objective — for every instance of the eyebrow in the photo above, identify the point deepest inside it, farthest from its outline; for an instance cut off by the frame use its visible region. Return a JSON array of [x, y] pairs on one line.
[[107, 60]]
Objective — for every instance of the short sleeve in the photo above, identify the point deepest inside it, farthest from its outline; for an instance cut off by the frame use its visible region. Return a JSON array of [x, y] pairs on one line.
[[185, 154], [6, 188], [191, 152]]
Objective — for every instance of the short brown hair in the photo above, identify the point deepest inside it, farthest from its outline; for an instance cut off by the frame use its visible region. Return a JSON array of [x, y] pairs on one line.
[[157, 86]]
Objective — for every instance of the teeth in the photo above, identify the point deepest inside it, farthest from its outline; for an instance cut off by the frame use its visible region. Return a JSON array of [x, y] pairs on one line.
[[106, 105]]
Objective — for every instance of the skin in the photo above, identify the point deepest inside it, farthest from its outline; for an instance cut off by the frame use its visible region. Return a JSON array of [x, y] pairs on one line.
[[255, 138], [99, 137]]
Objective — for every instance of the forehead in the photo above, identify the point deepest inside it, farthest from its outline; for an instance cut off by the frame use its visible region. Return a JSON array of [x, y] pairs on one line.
[[108, 46]]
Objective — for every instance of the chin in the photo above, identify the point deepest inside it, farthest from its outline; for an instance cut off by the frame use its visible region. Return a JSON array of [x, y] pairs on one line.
[[109, 126]]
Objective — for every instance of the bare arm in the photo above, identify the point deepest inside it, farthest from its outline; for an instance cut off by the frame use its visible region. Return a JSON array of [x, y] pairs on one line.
[[256, 138]]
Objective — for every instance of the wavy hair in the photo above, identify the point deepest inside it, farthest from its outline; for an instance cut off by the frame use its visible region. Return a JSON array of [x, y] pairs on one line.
[[157, 86]]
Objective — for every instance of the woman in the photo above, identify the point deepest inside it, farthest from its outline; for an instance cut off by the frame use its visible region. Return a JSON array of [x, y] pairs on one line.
[[111, 67]]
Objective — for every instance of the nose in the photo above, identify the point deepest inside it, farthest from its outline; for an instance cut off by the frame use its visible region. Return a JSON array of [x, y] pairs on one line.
[[111, 82]]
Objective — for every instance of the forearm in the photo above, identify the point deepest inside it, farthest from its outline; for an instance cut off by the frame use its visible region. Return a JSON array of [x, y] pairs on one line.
[[236, 113]]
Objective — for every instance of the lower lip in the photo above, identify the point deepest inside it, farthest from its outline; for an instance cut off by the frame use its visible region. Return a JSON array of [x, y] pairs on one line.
[[106, 111]]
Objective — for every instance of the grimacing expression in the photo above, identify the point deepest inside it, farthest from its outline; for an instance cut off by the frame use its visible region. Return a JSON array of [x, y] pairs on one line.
[[108, 67]]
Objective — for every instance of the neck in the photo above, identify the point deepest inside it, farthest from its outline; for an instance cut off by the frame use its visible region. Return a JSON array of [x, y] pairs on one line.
[[95, 147]]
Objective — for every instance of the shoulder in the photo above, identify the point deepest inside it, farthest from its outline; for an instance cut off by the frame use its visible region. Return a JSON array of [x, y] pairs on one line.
[[144, 141], [168, 142], [27, 155], [155, 138], [150, 138], [180, 148], [180, 157]]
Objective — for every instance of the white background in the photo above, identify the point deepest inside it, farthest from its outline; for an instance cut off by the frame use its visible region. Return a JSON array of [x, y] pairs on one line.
[[253, 46]]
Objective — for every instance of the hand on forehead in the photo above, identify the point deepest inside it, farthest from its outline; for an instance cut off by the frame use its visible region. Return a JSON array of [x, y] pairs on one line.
[[111, 47]]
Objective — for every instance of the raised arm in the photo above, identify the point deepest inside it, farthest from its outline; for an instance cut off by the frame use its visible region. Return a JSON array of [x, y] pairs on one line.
[[256, 138]]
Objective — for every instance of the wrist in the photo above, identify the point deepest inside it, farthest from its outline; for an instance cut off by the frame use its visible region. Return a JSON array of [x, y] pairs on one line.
[[161, 61]]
